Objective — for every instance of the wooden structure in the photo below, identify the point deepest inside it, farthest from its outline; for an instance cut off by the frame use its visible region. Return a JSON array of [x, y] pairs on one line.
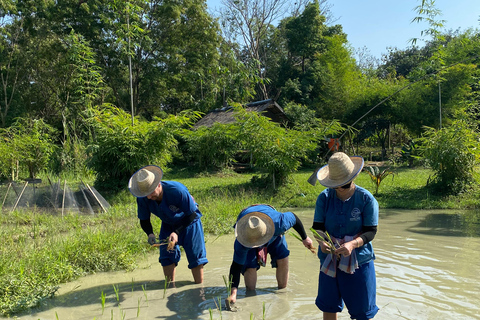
[[268, 108]]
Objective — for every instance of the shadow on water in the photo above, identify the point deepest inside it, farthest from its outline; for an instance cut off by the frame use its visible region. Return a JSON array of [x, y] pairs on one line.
[[182, 302], [466, 224]]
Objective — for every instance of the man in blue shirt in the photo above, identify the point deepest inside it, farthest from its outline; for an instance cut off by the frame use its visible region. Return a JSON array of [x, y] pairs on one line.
[[181, 224], [259, 229]]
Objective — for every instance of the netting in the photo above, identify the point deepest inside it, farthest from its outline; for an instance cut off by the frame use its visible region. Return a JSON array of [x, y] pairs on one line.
[[56, 197]]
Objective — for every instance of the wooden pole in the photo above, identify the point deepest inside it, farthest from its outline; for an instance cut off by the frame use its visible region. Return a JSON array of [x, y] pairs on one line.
[[6, 194], [63, 198], [20, 196], [91, 191]]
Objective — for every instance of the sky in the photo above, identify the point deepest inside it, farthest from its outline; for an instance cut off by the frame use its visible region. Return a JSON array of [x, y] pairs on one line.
[[378, 24]]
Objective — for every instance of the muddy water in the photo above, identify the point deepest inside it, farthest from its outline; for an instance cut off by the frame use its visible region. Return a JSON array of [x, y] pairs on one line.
[[428, 267]]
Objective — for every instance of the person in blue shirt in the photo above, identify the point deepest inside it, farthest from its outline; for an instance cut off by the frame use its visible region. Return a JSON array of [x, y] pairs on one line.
[[260, 230], [348, 214], [181, 225]]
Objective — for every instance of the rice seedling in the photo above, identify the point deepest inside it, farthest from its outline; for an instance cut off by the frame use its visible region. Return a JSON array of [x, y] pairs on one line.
[[219, 305], [324, 236], [165, 287], [211, 313], [117, 296], [56, 315], [264, 311], [138, 306], [312, 249], [228, 284], [111, 314], [103, 297], [145, 293]]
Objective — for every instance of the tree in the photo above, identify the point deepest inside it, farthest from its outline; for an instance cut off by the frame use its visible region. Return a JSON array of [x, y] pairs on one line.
[[249, 21]]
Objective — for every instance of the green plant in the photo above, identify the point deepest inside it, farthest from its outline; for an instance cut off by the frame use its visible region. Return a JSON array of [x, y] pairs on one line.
[[275, 150], [212, 147], [103, 297], [452, 153], [120, 148], [29, 144], [377, 175]]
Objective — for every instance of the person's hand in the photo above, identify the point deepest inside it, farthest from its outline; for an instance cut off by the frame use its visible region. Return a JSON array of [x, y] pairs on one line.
[[230, 301], [151, 239], [346, 249], [172, 241], [309, 244], [173, 238], [324, 247]]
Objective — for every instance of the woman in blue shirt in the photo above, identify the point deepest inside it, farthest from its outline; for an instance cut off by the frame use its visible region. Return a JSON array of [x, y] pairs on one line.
[[349, 214]]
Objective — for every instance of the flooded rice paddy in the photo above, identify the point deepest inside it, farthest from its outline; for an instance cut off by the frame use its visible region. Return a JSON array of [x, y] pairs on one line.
[[428, 267]]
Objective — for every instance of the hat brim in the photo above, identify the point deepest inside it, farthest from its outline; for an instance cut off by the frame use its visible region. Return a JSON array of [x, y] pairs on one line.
[[241, 224], [323, 174], [133, 186]]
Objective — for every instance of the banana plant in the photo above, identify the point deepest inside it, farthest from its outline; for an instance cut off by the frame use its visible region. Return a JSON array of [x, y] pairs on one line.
[[378, 175]]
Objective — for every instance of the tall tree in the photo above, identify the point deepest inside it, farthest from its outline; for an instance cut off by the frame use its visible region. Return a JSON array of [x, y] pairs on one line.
[[248, 22]]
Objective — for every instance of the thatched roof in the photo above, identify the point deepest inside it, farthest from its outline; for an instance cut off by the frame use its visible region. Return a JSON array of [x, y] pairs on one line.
[[268, 108]]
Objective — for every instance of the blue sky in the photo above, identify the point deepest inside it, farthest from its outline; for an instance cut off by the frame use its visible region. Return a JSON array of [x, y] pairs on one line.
[[378, 24]]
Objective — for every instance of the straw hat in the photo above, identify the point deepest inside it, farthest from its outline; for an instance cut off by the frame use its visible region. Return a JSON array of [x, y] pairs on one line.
[[340, 170], [254, 229], [145, 181]]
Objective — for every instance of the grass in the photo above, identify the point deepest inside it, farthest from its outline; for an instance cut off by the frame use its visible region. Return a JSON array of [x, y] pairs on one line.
[[41, 251]]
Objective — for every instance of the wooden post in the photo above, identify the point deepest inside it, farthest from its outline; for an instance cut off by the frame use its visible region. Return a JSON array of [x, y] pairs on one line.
[[63, 198], [20, 196], [91, 191], [6, 194]]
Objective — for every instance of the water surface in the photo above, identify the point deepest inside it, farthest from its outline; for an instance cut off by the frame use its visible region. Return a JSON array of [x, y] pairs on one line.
[[428, 267]]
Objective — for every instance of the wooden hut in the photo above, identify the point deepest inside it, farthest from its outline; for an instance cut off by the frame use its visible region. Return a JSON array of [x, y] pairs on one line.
[[268, 108]]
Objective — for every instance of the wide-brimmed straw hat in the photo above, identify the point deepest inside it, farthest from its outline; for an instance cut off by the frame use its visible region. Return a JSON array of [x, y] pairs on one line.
[[254, 229], [340, 170], [144, 181]]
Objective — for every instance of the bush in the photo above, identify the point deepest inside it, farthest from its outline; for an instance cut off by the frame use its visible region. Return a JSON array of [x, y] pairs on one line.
[[452, 153], [120, 148]]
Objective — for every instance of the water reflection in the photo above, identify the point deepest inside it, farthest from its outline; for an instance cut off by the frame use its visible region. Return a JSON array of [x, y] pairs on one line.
[[427, 268]]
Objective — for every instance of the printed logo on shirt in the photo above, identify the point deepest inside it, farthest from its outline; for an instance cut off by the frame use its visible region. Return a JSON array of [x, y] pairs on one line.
[[173, 208], [356, 214]]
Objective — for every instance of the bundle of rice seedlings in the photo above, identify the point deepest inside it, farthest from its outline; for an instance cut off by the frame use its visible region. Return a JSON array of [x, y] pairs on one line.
[[324, 236]]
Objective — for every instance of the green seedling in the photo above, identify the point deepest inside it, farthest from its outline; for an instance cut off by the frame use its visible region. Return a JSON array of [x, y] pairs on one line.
[[145, 294], [117, 296], [165, 287], [300, 239], [324, 236], [138, 306], [103, 297]]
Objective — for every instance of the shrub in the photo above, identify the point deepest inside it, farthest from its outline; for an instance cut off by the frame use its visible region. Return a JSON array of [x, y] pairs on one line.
[[120, 148], [452, 153]]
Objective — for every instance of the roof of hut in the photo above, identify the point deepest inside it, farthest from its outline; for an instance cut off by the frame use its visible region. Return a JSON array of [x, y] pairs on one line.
[[268, 108]]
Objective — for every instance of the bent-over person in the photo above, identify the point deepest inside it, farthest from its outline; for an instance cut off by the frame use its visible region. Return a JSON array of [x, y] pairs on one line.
[[181, 224]]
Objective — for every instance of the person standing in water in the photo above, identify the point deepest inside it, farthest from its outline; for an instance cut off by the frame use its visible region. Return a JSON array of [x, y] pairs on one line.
[[349, 215], [259, 230], [181, 224]]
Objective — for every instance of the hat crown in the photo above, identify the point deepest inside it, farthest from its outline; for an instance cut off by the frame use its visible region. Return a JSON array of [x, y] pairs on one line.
[[145, 179], [256, 228], [340, 166]]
